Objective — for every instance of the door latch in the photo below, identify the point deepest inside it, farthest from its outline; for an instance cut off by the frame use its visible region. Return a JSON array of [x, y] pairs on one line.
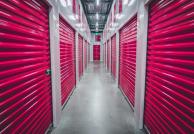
[[48, 72]]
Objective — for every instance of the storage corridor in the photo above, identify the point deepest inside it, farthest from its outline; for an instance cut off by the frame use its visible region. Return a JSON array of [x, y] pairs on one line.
[[97, 106], [96, 66]]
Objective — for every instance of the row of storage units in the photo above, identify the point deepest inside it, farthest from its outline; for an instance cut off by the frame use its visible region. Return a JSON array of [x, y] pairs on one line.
[[169, 75], [25, 74]]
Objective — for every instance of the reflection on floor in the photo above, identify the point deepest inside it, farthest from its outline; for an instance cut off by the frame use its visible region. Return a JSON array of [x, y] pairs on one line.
[[97, 107]]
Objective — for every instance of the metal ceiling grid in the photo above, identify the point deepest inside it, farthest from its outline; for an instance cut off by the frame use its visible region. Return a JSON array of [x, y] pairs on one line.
[[90, 8]]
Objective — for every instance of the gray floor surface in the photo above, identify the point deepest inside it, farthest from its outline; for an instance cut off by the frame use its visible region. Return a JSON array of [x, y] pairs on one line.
[[97, 106]]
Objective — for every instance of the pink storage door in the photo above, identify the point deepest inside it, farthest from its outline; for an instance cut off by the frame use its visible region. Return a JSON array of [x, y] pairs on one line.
[[105, 54], [67, 59], [170, 67], [85, 54], [25, 82], [113, 56], [80, 51], [96, 52], [88, 53], [108, 55], [127, 65]]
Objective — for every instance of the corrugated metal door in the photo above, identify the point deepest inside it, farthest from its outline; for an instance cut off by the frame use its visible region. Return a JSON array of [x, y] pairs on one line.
[[128, 59], [25, 87], [85, 54], [96, 52], [105, 54], [170, 67], [67, 59], [80, 51], [104, 59], [108, 55], [88, 53], [113, 56]]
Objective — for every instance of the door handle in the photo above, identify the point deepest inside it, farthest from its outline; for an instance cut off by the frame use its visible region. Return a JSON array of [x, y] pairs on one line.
[[48, 72]]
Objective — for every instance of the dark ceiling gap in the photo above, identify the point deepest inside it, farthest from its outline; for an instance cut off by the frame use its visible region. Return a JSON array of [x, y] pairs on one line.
[[90, 11]]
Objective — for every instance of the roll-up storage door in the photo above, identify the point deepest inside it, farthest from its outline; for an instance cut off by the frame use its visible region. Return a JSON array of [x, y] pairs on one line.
[[80, 51], [85, 54], [67, 59], [25, 82], [108, 55], [104, 57], [170, 67], [88, 53], [96, 52], [127, 65], [113, 56], [105, 54]]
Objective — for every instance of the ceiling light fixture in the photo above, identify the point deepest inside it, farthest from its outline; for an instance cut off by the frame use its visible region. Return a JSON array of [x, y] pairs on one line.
[[69, 3], [125, 2], [97, 24], [63, 3], [82, 29], [119, 16], [97, 2], [97, 16], [114, 24], [131, 2], [76, 17], [78, 25], [72, 17]]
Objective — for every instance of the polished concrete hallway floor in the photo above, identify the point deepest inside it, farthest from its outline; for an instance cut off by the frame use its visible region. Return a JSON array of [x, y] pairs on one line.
[[97, 106]]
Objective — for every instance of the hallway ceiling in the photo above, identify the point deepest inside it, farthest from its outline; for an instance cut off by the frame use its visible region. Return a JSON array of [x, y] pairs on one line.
[[91, 9]]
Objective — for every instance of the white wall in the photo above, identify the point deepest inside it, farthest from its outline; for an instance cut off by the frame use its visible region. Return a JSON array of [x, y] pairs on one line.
[[56, 9], [141, 51], [55, 61], [138, 7]]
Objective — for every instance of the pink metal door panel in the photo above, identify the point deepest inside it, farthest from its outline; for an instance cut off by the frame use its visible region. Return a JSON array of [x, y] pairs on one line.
[[25, 82], [67, 59], [88, 53], [127, 66], [96, 52], [113, 56], [108, 55], [80, 51], [170, 67], [85, 54], [105, 54]]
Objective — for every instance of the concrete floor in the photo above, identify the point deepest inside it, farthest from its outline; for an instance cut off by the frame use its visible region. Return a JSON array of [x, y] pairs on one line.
[[97, 106]]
